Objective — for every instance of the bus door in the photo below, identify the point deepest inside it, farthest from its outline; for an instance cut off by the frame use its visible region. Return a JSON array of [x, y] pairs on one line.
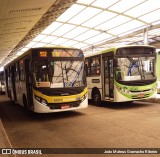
[[28, 83], [108, 77], [13, 82]]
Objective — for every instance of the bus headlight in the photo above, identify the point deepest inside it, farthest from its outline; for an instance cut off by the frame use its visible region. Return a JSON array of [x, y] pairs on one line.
[[154, 88], [122, 90], [42, 101], [83, 97]]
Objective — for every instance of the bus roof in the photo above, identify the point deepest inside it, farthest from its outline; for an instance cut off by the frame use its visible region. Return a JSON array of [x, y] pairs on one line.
[[29, 50], [113, 49]]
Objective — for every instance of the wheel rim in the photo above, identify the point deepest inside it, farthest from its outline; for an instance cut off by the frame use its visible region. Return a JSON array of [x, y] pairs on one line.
[[96, 97]]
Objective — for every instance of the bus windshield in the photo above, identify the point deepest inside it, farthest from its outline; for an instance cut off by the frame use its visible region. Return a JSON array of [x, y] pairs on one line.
[[135, 68], [60, 74]]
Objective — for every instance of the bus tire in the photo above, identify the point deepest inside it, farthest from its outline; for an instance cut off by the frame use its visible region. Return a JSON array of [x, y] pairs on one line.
[[96, 97]]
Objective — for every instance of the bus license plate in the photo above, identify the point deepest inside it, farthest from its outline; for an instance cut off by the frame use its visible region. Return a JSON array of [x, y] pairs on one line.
[[65, 106], [141, 95]]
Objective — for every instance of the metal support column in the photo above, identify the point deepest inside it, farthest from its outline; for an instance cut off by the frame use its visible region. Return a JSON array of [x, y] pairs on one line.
[[145, 36]]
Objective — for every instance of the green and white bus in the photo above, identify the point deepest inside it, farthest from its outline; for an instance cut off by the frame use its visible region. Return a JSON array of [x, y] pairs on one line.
[[49, 79], [158, 72], [120, 74]]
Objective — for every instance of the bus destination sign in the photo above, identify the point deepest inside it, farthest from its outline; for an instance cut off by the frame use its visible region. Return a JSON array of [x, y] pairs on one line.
[[42, 54]]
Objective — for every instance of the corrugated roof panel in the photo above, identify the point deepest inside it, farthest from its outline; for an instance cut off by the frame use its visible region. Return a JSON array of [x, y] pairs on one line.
[[134, 24], [63, 30], [52, 27], [75, 32], [114, 22], [85, 15], [125, 5], [48, 39], [151, 17], [87, 35], [59, 41], [144, 8], [86, 1], [104, 3], [99, 19], [71, 12], [98, 38]]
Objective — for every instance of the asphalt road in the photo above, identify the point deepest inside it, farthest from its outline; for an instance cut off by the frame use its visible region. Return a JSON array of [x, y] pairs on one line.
[[120, 125]]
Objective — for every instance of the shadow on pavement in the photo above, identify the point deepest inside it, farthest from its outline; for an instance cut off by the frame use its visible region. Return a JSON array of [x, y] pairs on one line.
[[120, 105]]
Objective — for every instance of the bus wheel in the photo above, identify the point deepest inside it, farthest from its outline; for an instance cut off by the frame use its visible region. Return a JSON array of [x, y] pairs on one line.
[[96, 97]]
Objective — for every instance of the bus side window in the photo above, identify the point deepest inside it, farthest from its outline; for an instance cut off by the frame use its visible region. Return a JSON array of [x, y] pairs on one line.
[[21, 70], [87, 67], [17, 72], [95, 65]]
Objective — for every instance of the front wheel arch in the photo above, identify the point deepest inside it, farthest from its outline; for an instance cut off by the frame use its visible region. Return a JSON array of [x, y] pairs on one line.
[[96, 96]]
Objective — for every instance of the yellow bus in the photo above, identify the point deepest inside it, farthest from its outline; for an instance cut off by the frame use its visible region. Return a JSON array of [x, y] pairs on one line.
[[48, 79]]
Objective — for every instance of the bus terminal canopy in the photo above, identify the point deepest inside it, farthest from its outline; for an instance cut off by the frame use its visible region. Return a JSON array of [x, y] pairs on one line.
[[94, 25]]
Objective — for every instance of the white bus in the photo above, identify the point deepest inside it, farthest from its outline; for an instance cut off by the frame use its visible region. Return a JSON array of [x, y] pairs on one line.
[[119, 74], [48, 80], [158, 72]]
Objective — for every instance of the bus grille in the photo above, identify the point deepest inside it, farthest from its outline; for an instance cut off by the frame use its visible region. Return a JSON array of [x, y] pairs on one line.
[[59, 105], [140, 96], [140, 91]]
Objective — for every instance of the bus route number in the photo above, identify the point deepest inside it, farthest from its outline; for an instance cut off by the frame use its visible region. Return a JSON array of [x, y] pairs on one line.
[[43, 54]]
